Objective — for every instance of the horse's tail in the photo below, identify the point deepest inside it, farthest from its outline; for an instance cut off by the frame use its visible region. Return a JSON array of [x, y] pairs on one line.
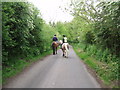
[[67, 47]]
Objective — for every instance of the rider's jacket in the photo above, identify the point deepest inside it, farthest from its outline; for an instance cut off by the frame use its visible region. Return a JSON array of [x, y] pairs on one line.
[[55, 39], [65, 40]]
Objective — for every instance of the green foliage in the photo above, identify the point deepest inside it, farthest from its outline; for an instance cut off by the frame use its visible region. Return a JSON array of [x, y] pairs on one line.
[[47, 35], [24, 32], [105, 65], [100, 31], [89, 37], [25, 35], [107, 28], [98, 23]]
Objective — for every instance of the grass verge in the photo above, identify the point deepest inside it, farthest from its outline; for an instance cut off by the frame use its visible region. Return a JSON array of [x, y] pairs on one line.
[[17, 67], [105, 71]]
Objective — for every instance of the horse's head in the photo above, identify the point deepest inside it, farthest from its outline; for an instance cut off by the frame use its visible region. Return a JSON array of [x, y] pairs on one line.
[[60, 41]]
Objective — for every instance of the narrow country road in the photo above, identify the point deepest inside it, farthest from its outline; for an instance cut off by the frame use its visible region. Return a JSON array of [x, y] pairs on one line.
[[54, 71]]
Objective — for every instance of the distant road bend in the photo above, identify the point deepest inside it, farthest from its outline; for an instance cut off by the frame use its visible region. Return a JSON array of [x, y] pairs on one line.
[[54, 71]]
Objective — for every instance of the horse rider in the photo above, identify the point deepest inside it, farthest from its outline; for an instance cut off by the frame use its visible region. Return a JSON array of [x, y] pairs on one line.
[[64, 39], [55, 39], [55, 44]]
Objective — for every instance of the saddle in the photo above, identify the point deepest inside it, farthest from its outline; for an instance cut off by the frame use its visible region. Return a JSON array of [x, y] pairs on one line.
[[55, 43]]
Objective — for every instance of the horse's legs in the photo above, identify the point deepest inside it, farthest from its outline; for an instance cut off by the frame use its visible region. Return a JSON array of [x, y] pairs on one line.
[[53, 50], [63, 54], [66, 50], [56, 50], [66, 53]]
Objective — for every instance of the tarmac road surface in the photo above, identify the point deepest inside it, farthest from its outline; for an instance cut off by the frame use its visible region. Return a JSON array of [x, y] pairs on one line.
[[55, 71]]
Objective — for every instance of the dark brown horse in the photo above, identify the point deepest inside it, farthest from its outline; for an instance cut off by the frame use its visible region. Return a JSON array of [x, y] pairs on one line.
[[54, 47]]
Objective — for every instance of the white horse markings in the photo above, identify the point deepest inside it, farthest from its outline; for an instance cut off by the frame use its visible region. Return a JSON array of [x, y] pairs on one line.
[[65, 49]]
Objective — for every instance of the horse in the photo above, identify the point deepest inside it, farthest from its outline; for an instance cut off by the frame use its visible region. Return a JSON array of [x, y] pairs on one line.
[[65, 49], [54, 47]]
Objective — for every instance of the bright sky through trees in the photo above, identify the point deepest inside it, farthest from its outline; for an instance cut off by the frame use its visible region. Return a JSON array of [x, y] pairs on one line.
[[51, 11]]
